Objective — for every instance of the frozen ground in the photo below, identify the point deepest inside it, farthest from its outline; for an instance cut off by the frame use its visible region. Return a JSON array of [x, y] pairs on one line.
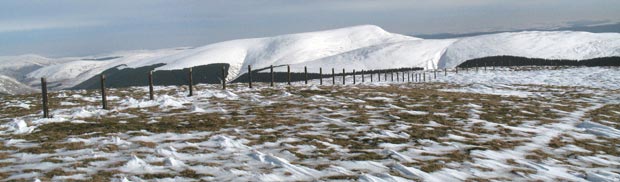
[[502, 125]]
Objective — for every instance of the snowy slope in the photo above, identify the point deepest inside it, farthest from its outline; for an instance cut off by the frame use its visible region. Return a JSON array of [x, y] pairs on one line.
[[68, 74], [9, 85], [279, 50], [413, 53], [405, 133], [17, 67], [534, 44], [360, 47]]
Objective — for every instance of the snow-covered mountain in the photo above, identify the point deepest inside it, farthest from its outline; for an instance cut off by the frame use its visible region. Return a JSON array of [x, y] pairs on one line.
[[360, 47], [9, 85], [535, 44]]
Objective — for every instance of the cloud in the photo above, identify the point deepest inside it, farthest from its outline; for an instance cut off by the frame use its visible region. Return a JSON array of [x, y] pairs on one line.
[[30, 25]]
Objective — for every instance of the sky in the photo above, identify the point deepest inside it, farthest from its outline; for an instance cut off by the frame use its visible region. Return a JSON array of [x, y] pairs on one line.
[[89, 27]]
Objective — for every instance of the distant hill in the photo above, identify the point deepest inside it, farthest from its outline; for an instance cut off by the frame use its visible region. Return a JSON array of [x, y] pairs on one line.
[[365, 47], [9, 85]]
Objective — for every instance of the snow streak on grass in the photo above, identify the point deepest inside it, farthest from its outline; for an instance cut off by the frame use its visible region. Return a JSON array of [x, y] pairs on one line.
[[372, 132]]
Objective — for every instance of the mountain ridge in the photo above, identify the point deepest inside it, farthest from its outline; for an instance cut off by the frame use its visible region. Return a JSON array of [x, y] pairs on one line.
[[359, 47]]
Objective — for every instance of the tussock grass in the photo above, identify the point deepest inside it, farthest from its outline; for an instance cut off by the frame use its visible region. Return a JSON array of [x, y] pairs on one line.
[[359, 137]]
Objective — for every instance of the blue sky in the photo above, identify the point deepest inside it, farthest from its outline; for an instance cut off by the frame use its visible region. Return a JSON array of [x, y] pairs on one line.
[[84, 27]]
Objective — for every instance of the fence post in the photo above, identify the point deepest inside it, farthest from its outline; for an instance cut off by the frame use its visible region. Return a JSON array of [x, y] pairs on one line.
[[250, 75], [191, 83], [456, 70], [333, 77], [385, 75], [344, 76], [391, 76], [408, 76], [272, 75], [104, 99], [151, 97], [46, 113], [435, 72], [445, 72], [403, 76], [223, 77], [397, 78], [306, 75], [362, 76], [420, 77], [424, 75], [371, 77], [321, 76], [354, 77], [288, 72]]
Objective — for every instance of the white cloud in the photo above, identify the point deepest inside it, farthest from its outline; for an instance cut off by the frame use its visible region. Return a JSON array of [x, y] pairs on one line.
[[29, 25]]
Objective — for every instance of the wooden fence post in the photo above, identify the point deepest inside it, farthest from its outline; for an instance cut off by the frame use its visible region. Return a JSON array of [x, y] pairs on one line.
[[288, 72], [435, 72], [272, 75], [104, 99], [397, 78], [333, 77], [223, 77], [403, 76], [250, 76], [385, 75], [456, 70], [44, 98], [424, 75], [151, 95], [191, 83], [420, 77], [408, 76], [306, 75], [391, 76], [371, 77], [354, 77], [445, 72], [344, 75], [362, 76], [321, 76]]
